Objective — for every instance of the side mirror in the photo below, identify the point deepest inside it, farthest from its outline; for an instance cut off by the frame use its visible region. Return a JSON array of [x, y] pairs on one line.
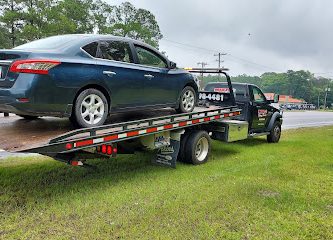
[[173, 65]]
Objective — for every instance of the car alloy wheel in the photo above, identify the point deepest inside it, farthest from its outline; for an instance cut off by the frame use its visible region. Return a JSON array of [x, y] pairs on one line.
[[92, 109], [188, 100]]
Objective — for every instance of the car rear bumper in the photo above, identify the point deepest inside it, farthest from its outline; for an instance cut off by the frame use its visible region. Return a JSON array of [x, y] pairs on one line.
[[10, 103]]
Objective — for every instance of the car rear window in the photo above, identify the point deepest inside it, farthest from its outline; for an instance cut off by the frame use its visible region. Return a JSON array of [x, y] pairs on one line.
[[91, 48], [239, 90], [55, 42]]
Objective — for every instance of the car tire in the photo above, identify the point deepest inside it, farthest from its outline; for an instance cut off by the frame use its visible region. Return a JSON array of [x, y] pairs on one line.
[[198, 146], [28, 117], [187, 100], [90, 109], [275, 133]]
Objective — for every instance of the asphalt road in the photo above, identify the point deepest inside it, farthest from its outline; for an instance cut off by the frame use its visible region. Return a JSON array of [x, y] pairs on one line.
[[14, 129], [292, 120]]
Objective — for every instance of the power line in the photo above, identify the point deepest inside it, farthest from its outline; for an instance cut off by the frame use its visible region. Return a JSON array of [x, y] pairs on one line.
[[228, 55]]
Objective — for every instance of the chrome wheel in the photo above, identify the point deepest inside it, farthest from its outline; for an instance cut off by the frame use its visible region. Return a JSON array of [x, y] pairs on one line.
[[188, 100], [202, 149], [92, 109]]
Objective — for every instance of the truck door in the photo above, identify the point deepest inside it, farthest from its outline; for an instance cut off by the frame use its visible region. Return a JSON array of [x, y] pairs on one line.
[[259, 109]]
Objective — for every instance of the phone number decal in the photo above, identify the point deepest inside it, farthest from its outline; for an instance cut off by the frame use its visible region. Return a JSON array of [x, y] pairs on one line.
[[211, 96]]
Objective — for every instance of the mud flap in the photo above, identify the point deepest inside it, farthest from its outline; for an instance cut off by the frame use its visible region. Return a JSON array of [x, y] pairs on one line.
[[167, 155]]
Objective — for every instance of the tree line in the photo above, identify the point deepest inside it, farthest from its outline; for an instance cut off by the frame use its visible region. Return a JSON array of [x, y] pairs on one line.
[[299, 84], [22, 21]]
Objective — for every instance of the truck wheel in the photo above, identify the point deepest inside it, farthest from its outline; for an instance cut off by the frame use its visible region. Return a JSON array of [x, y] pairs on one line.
[[90, 109], [198, 147], [275, 133], [27, 117], [187, 100]]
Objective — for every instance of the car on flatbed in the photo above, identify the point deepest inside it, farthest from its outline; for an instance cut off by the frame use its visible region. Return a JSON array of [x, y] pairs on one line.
[[86, 77]]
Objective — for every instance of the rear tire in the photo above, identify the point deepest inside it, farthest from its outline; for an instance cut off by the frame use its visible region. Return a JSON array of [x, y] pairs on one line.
[[90, 109], [275, 133], [182, 148], [27, 117], [198, 146], [187, 100]]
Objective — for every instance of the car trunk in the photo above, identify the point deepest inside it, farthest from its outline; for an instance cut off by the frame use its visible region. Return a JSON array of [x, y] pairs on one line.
[[8, 79]]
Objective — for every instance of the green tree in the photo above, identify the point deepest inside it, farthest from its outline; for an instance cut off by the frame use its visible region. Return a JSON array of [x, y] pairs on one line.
[[102, 16], [11, 20], [131, 22]]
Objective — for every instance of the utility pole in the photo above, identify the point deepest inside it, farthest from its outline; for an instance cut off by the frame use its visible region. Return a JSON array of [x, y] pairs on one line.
[[328, 89], [326, 92], [219, 60], [203, 65]]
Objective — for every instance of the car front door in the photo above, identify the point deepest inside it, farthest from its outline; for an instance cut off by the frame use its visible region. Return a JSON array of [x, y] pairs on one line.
[[161, 86], [259, 110], [117, 68]]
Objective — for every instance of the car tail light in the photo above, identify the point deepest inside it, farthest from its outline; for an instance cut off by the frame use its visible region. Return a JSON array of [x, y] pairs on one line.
[[38, 66]]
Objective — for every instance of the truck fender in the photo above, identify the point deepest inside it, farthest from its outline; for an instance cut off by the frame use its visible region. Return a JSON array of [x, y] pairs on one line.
[[275, 117]]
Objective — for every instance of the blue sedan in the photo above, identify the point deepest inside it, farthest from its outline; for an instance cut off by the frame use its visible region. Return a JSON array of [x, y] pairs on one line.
[[86, 77]]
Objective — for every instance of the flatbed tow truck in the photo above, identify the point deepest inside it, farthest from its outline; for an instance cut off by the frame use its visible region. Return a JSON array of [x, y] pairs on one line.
[[175, 137]]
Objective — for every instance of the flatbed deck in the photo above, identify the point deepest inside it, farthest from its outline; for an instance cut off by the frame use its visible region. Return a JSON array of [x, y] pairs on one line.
[[17, 134]]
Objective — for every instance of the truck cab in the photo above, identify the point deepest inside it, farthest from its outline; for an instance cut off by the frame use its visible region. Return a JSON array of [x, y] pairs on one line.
[[262, 117]]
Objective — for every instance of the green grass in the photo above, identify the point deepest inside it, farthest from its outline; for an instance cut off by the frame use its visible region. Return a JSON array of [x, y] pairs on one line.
[[248, 190]]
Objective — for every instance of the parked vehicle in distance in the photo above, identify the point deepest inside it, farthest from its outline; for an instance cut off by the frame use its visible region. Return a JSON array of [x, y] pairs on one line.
[[262, 117], [86, 77]]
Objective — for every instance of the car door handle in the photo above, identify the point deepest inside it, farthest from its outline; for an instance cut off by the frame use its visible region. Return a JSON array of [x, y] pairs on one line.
[[109, 73], [149, 76]]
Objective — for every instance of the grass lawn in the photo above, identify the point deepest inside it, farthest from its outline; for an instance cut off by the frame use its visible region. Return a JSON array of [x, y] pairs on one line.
[[248, 190]]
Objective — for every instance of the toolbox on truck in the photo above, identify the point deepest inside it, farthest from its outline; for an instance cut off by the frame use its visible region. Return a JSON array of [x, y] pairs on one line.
[[229, 130]]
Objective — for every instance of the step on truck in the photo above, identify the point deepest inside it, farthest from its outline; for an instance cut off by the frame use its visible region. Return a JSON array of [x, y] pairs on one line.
[[220, 115]]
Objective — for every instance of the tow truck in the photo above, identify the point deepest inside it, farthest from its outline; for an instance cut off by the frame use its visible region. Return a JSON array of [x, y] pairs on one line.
[[174, 137]]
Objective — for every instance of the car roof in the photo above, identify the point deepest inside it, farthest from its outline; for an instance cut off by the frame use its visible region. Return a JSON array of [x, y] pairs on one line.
[[98, 37], [84, 39]]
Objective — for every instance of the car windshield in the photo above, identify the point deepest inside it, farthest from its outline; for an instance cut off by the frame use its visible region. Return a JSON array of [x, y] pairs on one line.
[[55, 42]]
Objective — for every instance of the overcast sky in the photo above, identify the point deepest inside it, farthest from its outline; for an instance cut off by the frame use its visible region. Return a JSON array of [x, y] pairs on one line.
[[258, 35]]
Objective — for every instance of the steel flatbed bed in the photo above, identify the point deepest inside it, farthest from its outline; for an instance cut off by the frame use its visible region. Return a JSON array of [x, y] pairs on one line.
[[182, 137]]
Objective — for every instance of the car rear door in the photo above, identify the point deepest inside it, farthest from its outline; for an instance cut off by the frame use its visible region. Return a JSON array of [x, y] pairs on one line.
[[122, 77], [259, 109], [161, 85]]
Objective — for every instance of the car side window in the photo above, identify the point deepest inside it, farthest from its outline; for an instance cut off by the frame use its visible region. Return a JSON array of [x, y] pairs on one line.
[[91, 48], [116, 51], [257, 95], [149, 58]]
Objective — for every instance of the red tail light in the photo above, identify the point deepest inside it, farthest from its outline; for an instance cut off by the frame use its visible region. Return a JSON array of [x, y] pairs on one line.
[[38, 66]]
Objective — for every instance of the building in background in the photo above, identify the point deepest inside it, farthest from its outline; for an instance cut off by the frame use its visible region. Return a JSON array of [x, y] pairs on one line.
[[289, 102]]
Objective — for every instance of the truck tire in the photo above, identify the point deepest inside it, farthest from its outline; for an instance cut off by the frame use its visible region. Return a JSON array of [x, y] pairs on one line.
[[90, 109], [183, 141], [198, 146], [275, 133]]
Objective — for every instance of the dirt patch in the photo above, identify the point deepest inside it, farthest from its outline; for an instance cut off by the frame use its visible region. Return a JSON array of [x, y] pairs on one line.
[[268, 193]]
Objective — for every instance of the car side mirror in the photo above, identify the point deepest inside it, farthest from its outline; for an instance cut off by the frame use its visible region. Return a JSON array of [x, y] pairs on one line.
[[173, 65]]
